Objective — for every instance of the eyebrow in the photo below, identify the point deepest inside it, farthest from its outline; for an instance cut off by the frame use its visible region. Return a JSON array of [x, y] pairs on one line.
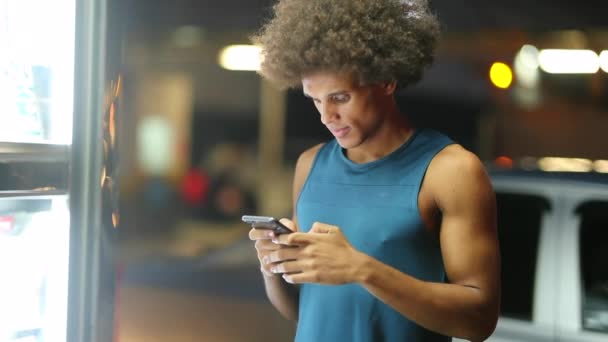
[[339, 92]]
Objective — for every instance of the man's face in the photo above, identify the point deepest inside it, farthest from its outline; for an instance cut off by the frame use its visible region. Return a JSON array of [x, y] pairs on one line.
[[352, 112]]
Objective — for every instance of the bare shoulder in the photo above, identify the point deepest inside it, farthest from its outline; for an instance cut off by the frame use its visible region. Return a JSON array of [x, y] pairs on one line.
[[456, 173], [303, 166], [454, 160], [307, 157]]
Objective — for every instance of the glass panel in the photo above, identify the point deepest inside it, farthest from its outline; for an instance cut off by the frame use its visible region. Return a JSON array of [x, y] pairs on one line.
[[34, 247], [33, 176], [36, 70], [519, 221], [594, 264]]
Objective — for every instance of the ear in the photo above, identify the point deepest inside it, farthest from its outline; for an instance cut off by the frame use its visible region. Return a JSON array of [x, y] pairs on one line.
[[388, 88]]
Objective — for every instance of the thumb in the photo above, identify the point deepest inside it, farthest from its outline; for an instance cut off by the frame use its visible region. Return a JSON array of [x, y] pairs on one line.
[[322, 228], [289, 224]]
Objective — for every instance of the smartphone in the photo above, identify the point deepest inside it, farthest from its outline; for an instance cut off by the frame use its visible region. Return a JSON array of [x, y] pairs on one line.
[[266, 222]]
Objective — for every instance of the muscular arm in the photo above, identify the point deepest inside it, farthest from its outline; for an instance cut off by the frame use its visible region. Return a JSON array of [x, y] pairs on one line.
[[467, 306], [282, 295]]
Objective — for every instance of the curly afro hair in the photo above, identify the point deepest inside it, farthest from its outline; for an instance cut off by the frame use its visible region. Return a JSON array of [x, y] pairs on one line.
[[374, 40]]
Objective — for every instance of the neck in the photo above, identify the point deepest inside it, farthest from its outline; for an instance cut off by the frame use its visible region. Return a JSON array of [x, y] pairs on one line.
[[391, 134]]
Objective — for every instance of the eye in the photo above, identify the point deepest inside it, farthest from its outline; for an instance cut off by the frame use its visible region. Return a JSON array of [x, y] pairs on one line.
[[340, 98]]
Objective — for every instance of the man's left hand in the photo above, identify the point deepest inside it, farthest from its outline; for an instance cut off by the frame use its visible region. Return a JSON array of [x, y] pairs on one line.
[[323, 256]]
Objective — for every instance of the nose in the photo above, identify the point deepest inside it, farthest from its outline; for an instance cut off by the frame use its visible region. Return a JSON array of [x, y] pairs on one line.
[[328, 113]]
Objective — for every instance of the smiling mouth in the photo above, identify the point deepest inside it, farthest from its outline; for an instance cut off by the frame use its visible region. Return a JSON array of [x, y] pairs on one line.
[[340, 133]]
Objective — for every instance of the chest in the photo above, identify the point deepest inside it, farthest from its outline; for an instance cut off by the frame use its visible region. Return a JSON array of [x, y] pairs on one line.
[[377, 219]]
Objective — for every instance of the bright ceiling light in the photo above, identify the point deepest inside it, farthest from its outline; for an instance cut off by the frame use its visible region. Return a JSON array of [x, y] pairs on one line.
[[529, 56], [525, 66], [604, 60], [555, 164], [569, 61], [241, 57], [501, 75]]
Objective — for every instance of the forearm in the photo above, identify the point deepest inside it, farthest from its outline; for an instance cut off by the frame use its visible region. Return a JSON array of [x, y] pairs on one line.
[[283, 296], [448, 309]]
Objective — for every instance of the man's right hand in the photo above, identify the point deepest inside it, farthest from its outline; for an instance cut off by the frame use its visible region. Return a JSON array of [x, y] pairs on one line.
[[264, 245]]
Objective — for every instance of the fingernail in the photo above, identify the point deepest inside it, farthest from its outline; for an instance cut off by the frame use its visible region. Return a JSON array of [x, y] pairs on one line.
[[265, 260], [273, 269], [270, 234]]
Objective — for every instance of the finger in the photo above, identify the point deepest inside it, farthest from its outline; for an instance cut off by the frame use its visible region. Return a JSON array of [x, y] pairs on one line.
[[287, 267], [295, 239], [289, 224], [283, 254], [322, 228], [266, 273], [266, 262], [300, 278], [259, 234], [266, 245]]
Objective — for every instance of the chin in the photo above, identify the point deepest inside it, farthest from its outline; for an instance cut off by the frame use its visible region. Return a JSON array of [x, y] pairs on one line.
[[347, 143]]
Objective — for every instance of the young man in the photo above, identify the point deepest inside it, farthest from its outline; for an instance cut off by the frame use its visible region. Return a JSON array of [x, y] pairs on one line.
[[395, 226]]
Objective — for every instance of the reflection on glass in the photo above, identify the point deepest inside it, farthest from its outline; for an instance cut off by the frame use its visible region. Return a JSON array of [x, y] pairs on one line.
[[594, 263], [34, 247], [36, 70], [519, 223], [109, 171]]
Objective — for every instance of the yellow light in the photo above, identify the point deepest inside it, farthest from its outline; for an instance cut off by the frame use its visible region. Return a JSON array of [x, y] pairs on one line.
[[600, 166], [604, 60], [555, 164], [501, 75], [240, 57], [569, 61]]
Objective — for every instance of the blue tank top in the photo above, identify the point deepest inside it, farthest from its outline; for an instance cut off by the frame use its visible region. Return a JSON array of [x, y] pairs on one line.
[[375, 205]]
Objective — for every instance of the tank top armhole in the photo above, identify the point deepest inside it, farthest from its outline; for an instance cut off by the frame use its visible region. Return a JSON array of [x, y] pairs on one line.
[[312, 168], [424, 171]]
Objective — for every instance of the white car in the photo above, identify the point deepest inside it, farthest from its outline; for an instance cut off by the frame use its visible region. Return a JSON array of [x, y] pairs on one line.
[[553, 230]]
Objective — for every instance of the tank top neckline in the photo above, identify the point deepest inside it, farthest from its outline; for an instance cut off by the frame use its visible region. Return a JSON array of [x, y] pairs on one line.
[[373, 163]]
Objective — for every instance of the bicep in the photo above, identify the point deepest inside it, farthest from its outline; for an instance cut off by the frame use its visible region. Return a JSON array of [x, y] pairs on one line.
[[468, 233]]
